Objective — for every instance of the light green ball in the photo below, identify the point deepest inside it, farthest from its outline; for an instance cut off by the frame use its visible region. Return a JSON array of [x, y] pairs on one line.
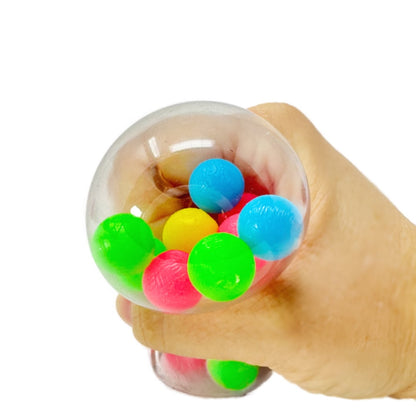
[[232, 375], [159, 247], [123, 245], [221, 267]]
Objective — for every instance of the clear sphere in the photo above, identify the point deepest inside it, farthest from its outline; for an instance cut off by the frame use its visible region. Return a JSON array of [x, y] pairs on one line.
[[204, 162], [194, 376]]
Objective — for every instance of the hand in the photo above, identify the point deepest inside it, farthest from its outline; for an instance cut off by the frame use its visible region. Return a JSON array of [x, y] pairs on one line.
[[341, 319]]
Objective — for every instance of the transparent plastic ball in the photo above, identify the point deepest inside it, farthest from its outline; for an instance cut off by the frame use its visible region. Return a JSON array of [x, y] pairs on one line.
[[208, 378], [196, 206]]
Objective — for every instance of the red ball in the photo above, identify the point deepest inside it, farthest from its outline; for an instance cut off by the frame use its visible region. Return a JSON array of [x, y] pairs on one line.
[[183, 365], [259, 263], [245, 198], [166, 282], [230, 226]]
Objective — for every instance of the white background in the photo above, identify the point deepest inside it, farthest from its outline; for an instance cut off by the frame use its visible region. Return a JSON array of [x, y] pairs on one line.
[[76, 74]]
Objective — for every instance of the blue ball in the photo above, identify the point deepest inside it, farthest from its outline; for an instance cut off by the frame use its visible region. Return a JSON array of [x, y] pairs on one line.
[[216, 185], [271, 226]]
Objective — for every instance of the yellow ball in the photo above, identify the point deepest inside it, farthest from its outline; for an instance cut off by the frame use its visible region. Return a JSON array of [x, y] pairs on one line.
[[186, 227]]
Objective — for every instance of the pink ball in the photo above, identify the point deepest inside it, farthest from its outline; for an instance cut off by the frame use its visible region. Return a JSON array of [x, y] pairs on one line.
[[245, 198], [183, 365], [259, 263], [166, 282], [229, 225]]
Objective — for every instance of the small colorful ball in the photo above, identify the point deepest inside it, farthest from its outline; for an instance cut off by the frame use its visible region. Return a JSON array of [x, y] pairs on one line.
[[159, 247], [221, 267], [138, 281], [232, 375], [186, 227], [230, 226], [271, 226], [184, 365], [166, 282], [123, 245], [216, 185], [245, 198]]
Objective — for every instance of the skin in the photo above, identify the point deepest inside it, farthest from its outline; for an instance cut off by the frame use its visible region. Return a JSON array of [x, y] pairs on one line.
[[341, 319]]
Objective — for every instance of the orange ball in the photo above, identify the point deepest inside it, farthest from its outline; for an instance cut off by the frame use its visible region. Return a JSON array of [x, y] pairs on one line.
[[186, 227]]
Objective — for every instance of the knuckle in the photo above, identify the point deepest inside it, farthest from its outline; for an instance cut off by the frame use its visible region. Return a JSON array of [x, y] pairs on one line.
[[278, 111]]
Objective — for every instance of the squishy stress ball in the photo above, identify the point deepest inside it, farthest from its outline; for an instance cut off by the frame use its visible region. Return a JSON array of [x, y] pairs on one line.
[[195, 205]]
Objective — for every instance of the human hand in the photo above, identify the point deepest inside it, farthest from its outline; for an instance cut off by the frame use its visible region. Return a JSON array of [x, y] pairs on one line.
[[341, 319]]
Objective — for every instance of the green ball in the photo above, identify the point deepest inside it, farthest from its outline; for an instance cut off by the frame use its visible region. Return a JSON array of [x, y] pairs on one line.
[[159, 247], [221, 267], [123, 245], [232, 375]]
